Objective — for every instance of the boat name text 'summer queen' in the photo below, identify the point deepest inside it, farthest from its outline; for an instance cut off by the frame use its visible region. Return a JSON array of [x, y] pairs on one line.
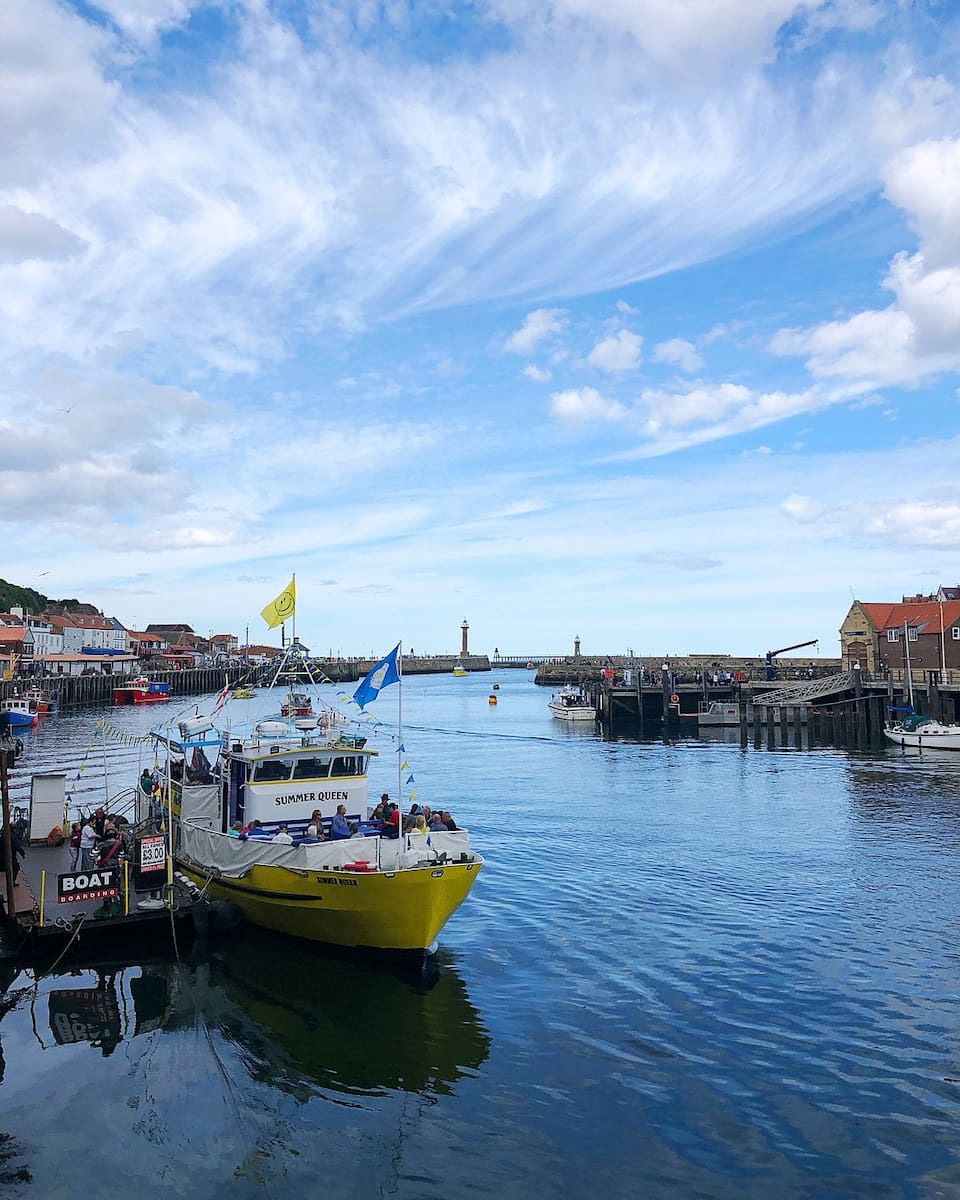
[[312, 798]]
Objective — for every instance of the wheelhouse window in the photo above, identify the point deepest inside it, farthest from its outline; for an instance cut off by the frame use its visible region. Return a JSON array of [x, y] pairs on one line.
[[311, 768], [348, 764], [271, 770]]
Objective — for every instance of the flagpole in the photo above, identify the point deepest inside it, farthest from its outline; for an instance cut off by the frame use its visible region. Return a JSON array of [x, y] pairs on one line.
[[294, 615], [400, 733]]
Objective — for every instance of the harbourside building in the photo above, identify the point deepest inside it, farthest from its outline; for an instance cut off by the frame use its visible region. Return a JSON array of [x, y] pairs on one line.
[[881, 636]]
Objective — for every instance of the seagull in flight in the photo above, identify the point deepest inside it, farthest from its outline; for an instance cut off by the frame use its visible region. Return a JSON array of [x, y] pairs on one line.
[[66, 410], [42, 573]]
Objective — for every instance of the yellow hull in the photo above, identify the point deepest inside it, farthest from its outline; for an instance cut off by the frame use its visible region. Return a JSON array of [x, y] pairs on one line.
[[401, 910]]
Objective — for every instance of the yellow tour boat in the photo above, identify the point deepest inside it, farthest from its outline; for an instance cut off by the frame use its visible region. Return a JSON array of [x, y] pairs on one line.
[[459, 670], [372, 891]]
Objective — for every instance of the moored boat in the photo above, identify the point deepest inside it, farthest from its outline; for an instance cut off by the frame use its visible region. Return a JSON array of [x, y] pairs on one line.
[[244, 693], [571, 703], [296, 704], [923, 733], [141, 691], [20, 711], [372, 892], [47, 704]]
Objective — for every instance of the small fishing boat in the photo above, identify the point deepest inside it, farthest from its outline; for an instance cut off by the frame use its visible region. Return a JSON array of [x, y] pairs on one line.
[[141, 691], [244, 693], [923, 733], [47, 704], [571, 703], [297, 704], [20, 711], [459, 669]]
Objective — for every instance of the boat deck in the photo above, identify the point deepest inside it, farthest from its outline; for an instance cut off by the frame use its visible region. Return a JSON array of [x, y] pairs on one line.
[[59, 921]]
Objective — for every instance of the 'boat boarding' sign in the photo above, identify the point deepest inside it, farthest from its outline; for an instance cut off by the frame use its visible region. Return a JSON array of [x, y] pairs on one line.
[[100, 883]]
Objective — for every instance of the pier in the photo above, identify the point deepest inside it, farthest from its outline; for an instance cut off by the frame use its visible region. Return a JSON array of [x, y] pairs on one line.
[[845, 709]]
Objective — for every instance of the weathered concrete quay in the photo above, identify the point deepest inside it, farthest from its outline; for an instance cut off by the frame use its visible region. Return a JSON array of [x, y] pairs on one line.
[[91, 691]]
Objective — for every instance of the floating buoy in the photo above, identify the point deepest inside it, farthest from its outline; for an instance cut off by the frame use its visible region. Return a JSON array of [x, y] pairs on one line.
[[491, 699], [675, 699]]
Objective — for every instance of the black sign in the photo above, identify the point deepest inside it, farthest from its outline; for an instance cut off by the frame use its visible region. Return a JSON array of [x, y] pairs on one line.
[[99, 883]]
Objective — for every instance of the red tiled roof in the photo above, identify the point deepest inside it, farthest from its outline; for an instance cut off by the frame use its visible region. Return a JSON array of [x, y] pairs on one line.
[[12, 633], [924, 616]]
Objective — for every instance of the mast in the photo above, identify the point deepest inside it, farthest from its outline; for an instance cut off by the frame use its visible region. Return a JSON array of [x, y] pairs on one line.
[[906, 651], [400, 732]]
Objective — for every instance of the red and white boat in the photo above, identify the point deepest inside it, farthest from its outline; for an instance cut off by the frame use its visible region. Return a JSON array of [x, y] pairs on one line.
[[141, 691], [46, 704], [297, 704]]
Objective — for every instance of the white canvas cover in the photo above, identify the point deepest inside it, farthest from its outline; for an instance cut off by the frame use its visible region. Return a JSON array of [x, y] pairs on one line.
[[234, 856], [200, 804]]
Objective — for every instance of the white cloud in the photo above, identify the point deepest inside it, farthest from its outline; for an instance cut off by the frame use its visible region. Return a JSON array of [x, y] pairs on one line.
[[691, 39], [919, 334], [920, 524], [25, 236], [620, 352], [142, 20], [537, 325], [585, 405], [537, 374], [801, 508], [924, 181], [679, 353]]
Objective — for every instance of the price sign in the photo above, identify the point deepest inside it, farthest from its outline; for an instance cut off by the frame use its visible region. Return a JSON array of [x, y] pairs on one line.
[[150, 862], [152, 854]]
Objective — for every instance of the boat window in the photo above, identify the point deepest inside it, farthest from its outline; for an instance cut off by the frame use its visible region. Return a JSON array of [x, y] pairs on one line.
[[271, 770], [311, 768], [345, 765]]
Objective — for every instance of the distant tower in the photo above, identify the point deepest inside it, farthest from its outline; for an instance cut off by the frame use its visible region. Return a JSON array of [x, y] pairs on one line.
[[464, 629], [576, 646]]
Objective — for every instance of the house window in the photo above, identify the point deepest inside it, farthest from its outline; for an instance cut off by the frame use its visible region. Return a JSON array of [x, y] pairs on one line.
[[956, 633], [912, 632], [893, 635]]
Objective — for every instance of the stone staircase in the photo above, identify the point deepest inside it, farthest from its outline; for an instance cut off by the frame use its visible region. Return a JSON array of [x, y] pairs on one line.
[[806, 691]]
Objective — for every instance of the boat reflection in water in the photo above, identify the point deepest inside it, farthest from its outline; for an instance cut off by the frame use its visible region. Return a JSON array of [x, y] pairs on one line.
[[344, 1025], [301, 1022]]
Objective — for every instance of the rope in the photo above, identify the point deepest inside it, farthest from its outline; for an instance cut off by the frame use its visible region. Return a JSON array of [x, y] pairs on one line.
[[80, 918]]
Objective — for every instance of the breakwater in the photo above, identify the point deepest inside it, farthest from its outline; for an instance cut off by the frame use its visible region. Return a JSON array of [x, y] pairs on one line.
[[92, 691]]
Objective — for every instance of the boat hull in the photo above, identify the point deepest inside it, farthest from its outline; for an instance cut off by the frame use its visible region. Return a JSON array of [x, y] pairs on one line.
[[121, 698], [919, 740], [573, 712], [400, 911], [20, 720]]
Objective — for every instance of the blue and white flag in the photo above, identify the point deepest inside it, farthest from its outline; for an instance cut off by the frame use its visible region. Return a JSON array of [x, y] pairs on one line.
[[380, 675]]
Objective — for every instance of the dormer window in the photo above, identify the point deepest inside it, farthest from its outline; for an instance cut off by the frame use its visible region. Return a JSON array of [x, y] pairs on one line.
[[893, 635]]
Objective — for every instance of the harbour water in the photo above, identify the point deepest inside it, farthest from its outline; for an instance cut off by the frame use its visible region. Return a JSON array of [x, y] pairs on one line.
[[686, 970]]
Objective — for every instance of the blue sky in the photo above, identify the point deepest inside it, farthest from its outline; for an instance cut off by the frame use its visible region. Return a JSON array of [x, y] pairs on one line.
[[637, 320]]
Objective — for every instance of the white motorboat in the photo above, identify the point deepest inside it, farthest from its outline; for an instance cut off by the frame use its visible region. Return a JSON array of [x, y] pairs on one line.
[[923, 733], [571, 703]]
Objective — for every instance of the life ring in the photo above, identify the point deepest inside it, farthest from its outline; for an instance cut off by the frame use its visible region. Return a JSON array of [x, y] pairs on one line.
[[674, 699]]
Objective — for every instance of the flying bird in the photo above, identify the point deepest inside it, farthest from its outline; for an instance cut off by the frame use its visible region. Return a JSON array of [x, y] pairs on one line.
[[66, 410]]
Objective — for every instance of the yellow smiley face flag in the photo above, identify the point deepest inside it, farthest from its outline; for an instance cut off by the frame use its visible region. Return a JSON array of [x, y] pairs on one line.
[[282, 608]]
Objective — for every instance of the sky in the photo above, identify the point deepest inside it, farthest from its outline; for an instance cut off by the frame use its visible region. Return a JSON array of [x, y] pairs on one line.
[[632, 320]]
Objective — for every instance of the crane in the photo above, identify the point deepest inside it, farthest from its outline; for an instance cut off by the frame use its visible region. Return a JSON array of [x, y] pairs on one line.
[[772, 654]]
